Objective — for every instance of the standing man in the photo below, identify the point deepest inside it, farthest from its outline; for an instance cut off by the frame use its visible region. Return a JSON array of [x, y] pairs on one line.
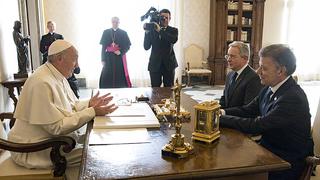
[[280, 113], [242, 83], [115, 44], [46, 41], [22, 48], [162, 62]]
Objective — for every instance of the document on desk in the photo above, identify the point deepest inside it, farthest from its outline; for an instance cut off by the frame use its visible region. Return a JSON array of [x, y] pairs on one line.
[[118, 136], [136, 115], [208, 95]]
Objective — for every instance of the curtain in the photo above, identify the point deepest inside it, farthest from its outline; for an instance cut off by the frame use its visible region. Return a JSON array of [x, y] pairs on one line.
[[302, 36], [9, 12]]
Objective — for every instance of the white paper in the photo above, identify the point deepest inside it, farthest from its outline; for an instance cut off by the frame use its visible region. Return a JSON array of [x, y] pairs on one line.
[[119, 136], [138, 115], [128, 111], [193, 93], [208, 95]]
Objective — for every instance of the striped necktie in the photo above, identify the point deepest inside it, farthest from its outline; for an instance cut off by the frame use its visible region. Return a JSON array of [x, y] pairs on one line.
[[266, 101]]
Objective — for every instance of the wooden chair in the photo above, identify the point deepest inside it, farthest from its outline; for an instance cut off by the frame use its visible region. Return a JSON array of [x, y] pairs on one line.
[[8, 115], [12, 171], [313, 161], [196, 66]]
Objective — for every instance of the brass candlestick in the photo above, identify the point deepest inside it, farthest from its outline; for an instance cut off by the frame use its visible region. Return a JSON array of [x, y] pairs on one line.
[[176, 146]]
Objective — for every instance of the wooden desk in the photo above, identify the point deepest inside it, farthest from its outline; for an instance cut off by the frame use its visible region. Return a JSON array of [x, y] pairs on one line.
[[11, 84], [233, 156]]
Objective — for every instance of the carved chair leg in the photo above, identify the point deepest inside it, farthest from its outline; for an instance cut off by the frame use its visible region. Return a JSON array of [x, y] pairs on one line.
[[12, 121], [189, 83], [59, 162]]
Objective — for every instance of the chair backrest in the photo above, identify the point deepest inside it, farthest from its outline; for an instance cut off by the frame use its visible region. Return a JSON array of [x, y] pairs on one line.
[[193, 55]]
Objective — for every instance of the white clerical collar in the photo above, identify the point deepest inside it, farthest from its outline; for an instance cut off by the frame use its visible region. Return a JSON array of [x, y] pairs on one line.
[[55, 72], [276, 87], [240, 71], [115, 29]]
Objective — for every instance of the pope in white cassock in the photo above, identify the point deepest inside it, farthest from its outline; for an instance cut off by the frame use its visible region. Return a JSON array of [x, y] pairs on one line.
[[47, 107]]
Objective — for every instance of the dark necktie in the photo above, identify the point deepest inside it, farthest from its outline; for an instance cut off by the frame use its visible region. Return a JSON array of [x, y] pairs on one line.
[[233, 82], [266, 101], [234, 78]]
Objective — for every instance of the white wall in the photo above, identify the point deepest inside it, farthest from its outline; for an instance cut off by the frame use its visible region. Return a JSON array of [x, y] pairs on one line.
[[62, 13], [196, 24], [9, 12], [273, 22], [193, 22]]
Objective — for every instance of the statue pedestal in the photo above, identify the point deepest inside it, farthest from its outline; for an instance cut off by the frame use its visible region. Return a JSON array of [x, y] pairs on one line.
[[20, 75]]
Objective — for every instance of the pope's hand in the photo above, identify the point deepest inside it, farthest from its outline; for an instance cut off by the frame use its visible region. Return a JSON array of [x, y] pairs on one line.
[[117, 52], [101, 104]]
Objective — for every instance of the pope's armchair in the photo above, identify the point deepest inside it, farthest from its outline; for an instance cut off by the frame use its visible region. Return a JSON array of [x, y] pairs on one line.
[[10, 170]]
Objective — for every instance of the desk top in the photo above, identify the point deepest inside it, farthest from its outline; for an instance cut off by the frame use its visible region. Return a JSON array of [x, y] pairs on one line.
[[233, 154]]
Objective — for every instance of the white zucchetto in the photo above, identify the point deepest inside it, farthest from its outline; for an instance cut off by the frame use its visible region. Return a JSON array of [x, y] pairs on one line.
[[58, 46]]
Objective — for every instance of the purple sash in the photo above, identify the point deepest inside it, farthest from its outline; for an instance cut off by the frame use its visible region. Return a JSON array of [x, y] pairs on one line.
[[124, 62]]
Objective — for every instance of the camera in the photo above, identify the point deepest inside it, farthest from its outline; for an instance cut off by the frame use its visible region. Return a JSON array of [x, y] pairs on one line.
[[155, 17]]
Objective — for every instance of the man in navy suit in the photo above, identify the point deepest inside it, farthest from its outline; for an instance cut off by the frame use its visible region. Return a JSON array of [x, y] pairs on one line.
[[242, 83], [162, 62], [280, 113]]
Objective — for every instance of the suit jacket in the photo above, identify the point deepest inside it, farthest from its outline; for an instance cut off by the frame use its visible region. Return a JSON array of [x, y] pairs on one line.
[[247, 87], [162, 52], [46, 41], [285, 125]]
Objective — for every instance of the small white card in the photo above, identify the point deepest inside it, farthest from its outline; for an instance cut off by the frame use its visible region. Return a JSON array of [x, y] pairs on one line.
[[118, 136]]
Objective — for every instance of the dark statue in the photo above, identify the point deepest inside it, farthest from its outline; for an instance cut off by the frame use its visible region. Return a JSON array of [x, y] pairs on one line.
[[22, 48]]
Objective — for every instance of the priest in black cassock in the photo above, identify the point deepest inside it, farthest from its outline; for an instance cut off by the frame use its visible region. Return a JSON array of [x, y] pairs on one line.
[[115, 44], [48, 39]]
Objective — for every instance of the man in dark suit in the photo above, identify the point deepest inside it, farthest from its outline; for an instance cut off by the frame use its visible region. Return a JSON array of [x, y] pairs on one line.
[[48, 39], [162, 62], [280, 113], [242, 83]]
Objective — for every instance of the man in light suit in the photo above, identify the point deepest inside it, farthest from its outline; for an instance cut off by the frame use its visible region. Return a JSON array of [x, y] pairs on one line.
[[280, 113], [162, 62], [242, 83]]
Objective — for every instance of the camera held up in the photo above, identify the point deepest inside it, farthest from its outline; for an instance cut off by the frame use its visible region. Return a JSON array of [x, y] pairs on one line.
[[155, 17]]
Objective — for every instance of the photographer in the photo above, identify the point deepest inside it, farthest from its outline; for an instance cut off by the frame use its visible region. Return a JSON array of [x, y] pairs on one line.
[[162, 62]]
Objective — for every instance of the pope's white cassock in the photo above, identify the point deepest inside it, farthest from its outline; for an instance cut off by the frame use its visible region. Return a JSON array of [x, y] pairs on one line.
[[47, 107]]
